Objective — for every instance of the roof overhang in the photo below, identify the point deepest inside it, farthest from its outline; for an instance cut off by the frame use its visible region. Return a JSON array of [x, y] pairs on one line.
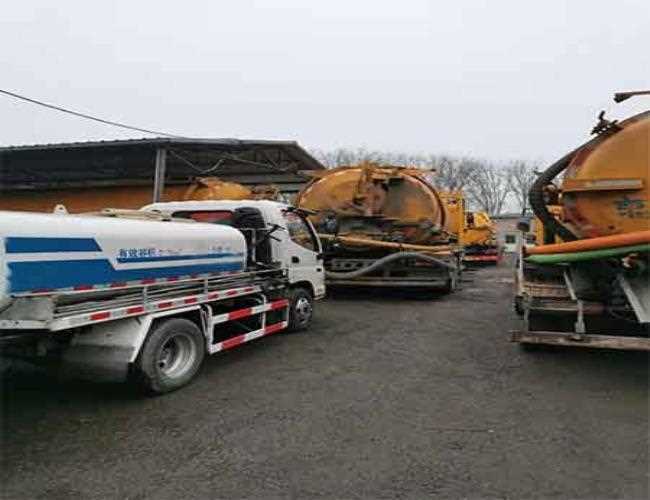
[[132, 162]]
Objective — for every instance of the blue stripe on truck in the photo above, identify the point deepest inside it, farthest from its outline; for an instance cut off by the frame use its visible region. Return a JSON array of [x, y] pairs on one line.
[[165, 258], [26, 276], [20, 244]]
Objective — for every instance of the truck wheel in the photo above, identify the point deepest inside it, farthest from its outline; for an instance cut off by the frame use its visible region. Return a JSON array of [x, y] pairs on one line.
[[519, 306], [450, 285], [171, 356], [301, 309]]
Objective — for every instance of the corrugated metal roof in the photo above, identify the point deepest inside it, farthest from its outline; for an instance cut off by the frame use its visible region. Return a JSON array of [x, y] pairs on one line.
[[149, 141], [49, 166]]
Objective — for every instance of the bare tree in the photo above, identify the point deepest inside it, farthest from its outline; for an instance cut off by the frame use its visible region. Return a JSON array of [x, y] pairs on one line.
[[521, 176], [489, 188], [346, 156], [352, 156], [452, 173]]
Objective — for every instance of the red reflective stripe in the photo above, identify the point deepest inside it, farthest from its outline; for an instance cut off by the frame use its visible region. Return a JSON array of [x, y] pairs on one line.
[[99, 316], [231, 293], [241, 313], [233, 342], [279, 304], [83, 287], [148, 281], [249, 289], [273, 328], [164, 305], [173, 278], [191, 300], [213, 295], [134, 310], [118, 285]]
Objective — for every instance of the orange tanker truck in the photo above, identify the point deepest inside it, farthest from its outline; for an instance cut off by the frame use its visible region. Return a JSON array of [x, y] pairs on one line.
[[382, 226], [586, 282]]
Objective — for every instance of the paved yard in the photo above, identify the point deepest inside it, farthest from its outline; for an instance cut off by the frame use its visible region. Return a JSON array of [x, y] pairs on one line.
[[386, 397]]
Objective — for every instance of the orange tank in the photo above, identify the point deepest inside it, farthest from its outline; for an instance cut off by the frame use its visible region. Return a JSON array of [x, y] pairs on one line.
[[213, 188], [386, 203], [605, 187]]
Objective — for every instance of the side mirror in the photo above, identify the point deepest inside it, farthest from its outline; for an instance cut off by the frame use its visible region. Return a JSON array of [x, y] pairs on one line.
[[320, 256]]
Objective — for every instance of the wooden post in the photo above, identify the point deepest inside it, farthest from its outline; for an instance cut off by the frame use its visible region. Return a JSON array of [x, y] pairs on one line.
[[159, 177]]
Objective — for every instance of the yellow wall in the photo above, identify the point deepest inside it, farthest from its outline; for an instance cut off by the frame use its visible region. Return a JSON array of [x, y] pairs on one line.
[[85, 200]]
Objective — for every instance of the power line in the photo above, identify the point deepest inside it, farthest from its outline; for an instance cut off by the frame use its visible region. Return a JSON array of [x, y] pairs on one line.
[[83, 115]]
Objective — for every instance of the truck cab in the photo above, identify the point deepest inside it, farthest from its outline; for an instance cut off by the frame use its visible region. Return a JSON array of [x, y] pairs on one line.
[[292, 241]]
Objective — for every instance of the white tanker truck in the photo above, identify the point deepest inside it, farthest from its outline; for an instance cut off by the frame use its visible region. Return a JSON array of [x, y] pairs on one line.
[[146, 294]]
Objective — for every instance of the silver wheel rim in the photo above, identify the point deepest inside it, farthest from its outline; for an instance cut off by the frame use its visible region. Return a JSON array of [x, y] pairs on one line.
[[177, 356], [303, 310]]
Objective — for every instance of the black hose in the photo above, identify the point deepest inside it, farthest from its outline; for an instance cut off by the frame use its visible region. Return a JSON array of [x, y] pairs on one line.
[[385, 260], [537, 203], [536, 192]]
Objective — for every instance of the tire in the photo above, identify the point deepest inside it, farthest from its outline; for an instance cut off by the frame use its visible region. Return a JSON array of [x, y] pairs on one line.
[[519, 306], [301, 310], [171, 356]]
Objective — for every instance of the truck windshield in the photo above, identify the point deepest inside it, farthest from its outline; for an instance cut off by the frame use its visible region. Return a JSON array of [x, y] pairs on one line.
[[299, 231]]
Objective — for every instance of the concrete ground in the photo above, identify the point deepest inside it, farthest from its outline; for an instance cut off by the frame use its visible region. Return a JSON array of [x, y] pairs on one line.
[[386, 397]]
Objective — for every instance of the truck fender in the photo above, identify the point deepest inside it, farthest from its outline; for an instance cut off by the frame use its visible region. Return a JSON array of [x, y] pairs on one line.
[[106, 351]]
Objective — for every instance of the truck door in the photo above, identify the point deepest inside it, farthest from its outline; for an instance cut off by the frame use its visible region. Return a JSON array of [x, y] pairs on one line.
[[302, 252]]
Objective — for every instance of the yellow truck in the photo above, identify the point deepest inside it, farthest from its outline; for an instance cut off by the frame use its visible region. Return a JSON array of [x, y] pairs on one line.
[[475, 230]]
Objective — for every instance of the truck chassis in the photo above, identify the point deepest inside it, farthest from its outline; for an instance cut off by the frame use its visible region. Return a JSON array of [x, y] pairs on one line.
[[106, 335], [553, 314], [401, 273]]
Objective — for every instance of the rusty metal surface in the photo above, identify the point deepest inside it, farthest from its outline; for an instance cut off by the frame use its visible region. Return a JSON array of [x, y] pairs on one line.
[[380, 202]]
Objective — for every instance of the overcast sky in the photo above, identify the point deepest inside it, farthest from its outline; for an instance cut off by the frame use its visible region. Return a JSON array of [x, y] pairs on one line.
[[499, 79]]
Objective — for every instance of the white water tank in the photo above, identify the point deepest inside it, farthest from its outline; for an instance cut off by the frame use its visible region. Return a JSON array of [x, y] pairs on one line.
[[47, 252]]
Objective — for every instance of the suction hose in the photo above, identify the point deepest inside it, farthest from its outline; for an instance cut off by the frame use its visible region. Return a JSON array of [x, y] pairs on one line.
[[536, 193], [385, 260], [536, 198]]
